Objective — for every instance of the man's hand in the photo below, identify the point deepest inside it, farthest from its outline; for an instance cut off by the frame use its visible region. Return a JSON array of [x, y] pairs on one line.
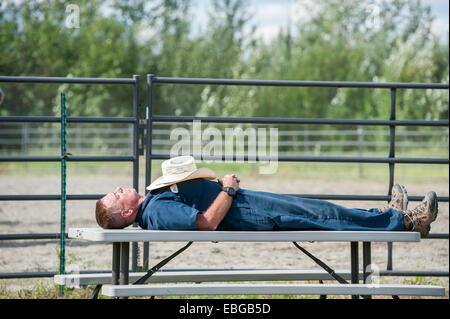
[[230, 180]]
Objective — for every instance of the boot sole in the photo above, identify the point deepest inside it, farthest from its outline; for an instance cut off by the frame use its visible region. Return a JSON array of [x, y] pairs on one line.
[[432, 199], [402, 189]]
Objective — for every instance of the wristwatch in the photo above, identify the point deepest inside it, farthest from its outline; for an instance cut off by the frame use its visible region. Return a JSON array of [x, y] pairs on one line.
[[229, 190]]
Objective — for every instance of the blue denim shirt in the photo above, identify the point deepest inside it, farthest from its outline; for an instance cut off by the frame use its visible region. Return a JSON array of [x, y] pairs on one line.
[[256, 210]]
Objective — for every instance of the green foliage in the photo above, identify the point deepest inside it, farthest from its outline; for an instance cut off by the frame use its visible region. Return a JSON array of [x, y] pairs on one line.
[[338, 44], [339, 41]]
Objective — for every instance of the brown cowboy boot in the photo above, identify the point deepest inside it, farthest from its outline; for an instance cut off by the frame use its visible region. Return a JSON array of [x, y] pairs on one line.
[[399, 199], [420, 218]]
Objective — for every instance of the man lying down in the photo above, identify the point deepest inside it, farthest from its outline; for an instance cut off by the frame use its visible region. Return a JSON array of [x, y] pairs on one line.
[[187, 198]]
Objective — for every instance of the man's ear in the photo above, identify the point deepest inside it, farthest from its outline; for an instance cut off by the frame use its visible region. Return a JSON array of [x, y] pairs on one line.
[[126, 213]]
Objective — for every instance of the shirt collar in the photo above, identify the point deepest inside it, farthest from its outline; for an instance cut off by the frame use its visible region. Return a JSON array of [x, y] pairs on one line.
[[142, 208]]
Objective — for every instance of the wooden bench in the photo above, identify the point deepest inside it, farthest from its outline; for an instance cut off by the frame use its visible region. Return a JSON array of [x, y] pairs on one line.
[[117, 283]]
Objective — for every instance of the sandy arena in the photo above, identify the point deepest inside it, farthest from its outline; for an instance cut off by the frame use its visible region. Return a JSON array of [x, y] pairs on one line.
[[44, 217]]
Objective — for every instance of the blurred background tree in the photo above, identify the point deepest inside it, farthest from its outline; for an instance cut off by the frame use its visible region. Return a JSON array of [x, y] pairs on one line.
[[339, 41]]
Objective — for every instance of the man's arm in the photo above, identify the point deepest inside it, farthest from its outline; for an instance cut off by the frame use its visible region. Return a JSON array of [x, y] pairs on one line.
[[210, 219]]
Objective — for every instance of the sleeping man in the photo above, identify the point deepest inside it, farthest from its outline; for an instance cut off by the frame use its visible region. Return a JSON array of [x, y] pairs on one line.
[[187, 198]]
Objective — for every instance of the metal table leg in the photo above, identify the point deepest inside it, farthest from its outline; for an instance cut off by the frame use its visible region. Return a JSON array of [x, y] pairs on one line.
[[115, 270], [367, 261], [134, 256], [354, 264], [145, 256], [115, 263], [124, 262]]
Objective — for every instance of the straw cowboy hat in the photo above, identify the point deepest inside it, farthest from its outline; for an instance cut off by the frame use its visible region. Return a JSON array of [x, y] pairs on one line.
[[179, 169]]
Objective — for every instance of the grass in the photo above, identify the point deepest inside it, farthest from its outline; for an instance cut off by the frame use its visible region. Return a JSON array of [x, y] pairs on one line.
[[336, 171], [284, 168], [40, 289]]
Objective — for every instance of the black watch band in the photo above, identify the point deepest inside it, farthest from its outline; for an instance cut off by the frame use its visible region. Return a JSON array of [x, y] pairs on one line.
[[230, 191]]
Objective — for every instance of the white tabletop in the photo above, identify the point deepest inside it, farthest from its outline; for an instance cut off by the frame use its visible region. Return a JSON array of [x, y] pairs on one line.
[[133, 234]]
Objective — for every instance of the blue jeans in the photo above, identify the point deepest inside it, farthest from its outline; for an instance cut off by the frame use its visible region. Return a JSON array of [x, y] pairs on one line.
[[255, 210]]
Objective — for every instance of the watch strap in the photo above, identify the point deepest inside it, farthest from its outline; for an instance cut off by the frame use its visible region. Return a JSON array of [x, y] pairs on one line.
[[229, 190]]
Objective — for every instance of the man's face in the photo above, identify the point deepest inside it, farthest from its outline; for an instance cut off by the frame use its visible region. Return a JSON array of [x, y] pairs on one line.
[[124, 198]]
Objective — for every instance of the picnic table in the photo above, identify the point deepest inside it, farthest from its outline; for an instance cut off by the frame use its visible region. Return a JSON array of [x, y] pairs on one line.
[[117, 283]]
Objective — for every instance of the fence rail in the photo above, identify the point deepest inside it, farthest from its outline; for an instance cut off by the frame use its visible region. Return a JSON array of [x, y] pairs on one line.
[[21, 138]]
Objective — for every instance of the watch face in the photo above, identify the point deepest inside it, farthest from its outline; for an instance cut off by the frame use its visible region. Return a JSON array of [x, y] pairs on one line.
[[229, 190]]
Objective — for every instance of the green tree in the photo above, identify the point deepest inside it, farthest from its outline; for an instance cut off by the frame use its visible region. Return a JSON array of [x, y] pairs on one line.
[[35, 41], [340, 41], [349, 41]]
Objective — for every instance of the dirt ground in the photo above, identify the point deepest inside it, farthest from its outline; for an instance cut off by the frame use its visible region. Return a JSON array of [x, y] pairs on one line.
[[44, 217]]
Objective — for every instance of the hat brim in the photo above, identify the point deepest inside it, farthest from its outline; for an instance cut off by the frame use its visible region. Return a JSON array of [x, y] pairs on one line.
[[166, 181]]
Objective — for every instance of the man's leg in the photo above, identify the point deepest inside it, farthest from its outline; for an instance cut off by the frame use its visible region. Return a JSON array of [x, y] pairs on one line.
[[304, 213], [317, 214], [291, 212]]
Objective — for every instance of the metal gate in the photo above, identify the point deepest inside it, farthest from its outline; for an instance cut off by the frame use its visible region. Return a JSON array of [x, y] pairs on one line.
[[134, 158], [390, 160], [153, 81]]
